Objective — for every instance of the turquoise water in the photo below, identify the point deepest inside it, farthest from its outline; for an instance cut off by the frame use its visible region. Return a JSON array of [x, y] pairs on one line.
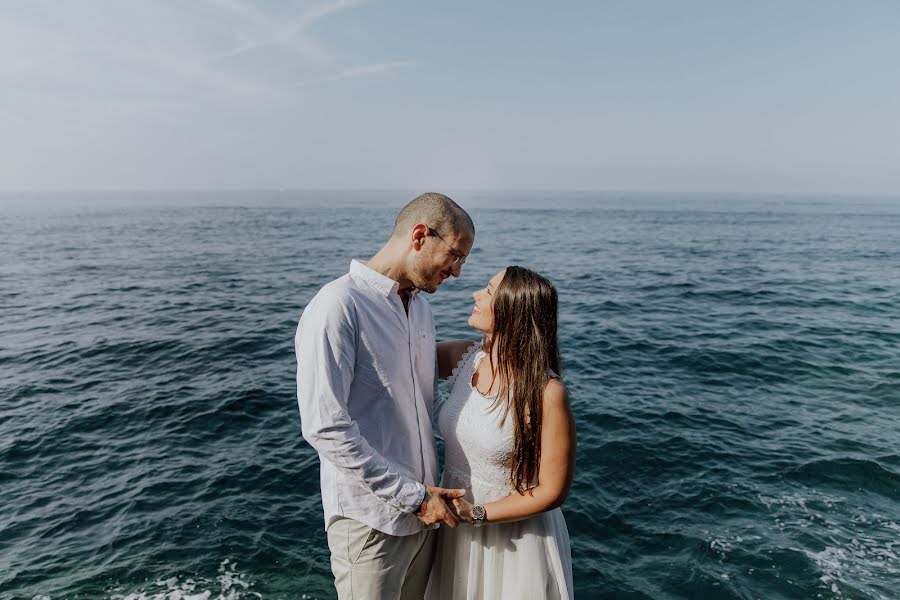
[[734, 367]]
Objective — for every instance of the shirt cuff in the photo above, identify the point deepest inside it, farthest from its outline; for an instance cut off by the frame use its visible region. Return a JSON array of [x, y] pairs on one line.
[[418, 494]]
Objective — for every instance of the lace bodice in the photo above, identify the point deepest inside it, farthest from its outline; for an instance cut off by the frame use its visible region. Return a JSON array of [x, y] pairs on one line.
[[477, 447]]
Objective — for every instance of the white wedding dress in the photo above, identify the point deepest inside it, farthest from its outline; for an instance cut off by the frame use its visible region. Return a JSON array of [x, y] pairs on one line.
[[495, 561]]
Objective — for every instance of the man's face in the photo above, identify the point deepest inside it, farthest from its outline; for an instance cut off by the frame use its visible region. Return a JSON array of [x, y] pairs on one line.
[[442, 256]]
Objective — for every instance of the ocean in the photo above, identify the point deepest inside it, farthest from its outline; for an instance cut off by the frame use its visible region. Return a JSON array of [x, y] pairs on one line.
[[733, 363]]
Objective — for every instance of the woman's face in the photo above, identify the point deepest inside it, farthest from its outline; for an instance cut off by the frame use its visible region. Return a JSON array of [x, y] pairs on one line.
[[482, 317]]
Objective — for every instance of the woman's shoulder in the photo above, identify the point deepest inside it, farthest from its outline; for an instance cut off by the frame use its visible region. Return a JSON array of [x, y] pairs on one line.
[[556, 396]]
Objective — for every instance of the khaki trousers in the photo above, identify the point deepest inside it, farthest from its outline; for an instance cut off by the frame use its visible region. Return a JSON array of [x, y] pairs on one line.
[[371, 565]]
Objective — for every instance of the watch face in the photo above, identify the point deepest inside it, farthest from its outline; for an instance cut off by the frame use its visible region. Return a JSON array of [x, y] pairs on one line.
[[478, 512]]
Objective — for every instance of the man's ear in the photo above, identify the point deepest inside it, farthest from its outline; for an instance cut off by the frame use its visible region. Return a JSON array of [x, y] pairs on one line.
[[418, 235]]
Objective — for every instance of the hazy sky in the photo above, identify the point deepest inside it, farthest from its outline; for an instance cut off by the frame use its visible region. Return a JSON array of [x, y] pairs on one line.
[[788, 95]]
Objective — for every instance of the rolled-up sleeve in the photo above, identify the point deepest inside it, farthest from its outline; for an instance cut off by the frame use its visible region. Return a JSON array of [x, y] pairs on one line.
[[325, 344]]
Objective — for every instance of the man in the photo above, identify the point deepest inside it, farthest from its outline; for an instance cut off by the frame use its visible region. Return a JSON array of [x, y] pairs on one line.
[[366, 381]]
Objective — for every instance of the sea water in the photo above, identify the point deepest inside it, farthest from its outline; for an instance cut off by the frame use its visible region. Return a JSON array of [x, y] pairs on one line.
[[733, 364]]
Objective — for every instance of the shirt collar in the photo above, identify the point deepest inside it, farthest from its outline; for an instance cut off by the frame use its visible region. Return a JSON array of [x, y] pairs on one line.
[[382, 283]]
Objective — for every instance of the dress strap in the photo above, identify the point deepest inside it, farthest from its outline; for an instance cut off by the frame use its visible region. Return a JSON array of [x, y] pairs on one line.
[[462, 362]]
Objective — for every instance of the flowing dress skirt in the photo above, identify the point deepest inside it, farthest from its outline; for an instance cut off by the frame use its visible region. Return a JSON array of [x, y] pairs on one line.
[[499, 561]]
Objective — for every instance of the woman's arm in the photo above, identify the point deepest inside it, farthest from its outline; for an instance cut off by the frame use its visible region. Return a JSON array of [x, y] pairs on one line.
[[556, 468], [448, 355]]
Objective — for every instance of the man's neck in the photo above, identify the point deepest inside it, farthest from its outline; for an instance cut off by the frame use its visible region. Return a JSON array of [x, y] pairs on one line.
[[382, 263], [388, 266]]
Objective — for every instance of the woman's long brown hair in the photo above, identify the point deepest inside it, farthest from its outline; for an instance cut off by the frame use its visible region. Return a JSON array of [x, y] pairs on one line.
[[525, 333]]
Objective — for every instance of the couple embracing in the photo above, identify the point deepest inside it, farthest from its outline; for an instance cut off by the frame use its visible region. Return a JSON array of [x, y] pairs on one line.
[[367, 371]]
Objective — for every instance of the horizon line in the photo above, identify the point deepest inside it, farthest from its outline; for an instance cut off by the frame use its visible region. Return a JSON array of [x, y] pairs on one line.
[[573, 190]]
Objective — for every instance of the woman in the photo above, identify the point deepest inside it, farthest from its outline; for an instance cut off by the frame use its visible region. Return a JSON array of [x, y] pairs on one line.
[[510, 441]]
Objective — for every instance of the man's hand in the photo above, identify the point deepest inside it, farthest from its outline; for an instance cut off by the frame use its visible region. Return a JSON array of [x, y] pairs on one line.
[[435, 509]]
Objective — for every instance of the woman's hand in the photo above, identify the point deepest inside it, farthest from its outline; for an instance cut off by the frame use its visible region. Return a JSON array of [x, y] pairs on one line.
[[463, 510]]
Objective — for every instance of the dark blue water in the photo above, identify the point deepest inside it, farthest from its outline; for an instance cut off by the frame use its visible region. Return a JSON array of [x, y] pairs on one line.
[[734, 365]]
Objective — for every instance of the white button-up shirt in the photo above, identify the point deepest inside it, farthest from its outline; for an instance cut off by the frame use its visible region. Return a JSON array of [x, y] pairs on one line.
[[366, 381]]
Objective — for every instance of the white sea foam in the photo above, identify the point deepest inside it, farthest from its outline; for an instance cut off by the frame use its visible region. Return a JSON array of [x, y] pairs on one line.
[[801, 501], [862, 557], [229, 584], [721, 547], [722, 544], [859, 548]]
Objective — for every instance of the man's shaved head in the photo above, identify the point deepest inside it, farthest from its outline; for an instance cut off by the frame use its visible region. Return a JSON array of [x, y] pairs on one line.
[[438, 212]]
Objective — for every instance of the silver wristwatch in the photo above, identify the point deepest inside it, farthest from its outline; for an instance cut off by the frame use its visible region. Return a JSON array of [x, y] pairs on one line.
[[478, 515]]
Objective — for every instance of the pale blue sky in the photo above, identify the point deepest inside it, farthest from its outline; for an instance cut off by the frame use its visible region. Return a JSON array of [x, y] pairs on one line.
[[788, 96]]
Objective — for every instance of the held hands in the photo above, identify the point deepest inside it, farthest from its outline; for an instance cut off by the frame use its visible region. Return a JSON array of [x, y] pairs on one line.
[[435, 508], [462, 508]]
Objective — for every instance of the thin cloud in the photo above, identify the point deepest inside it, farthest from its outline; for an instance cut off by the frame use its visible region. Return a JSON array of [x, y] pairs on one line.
[[326, 9], [150, 59], [372, 69], [361, 71], [270, 32]]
